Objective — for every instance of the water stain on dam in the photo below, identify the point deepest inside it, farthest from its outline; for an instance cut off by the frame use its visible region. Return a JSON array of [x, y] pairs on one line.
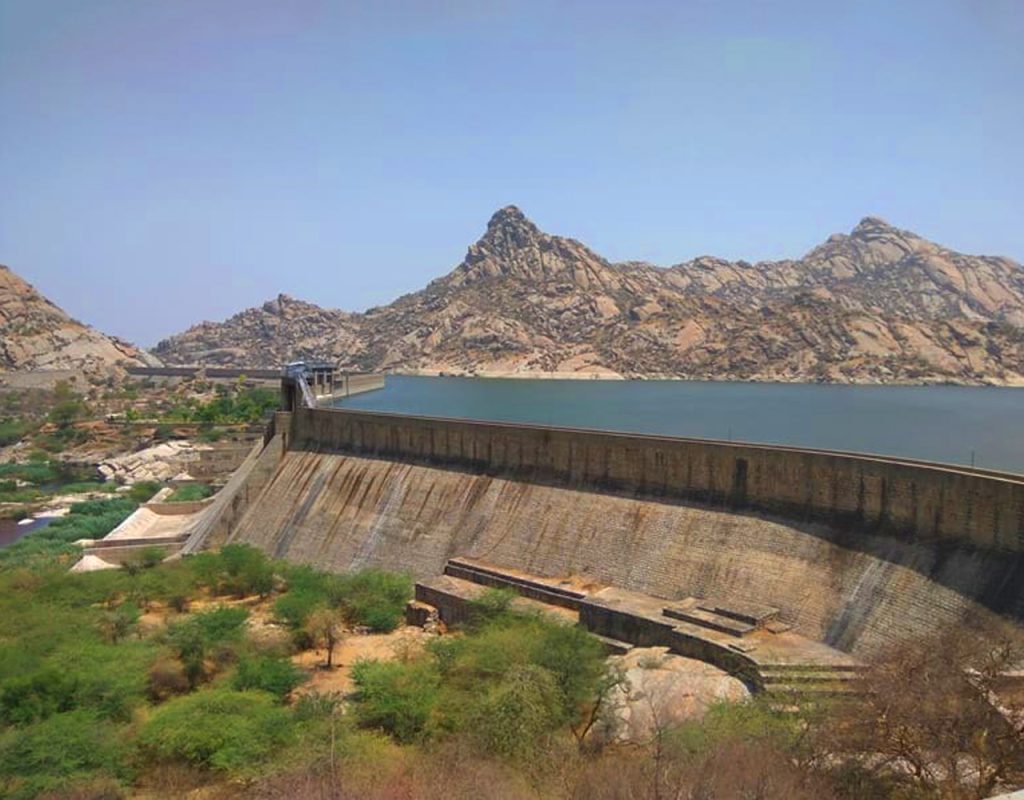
[[857, 592]]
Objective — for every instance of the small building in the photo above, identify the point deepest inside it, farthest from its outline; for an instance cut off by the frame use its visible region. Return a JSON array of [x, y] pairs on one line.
[[318, 376]]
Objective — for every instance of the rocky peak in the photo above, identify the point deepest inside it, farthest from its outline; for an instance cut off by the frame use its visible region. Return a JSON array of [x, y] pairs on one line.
[[508, 232], [871, 228], [512, 246]]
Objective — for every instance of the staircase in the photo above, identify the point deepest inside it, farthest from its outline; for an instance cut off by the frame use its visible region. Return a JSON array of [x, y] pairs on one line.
[[799, 684]]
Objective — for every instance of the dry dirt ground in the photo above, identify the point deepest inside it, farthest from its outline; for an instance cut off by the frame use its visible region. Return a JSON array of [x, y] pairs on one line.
[[401, 644]]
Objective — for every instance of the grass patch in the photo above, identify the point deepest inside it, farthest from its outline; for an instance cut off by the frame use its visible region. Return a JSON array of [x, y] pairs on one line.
[[190, 493]]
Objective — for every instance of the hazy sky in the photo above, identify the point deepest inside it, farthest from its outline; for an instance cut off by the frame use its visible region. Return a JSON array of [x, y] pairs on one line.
[[167, 162]]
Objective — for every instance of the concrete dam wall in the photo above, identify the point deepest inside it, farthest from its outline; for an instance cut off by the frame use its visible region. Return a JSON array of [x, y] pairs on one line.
[[856, 552], [902, 497]]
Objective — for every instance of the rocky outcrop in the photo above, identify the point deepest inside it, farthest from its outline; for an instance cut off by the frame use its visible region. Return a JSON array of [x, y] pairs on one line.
[[36, 334], [876, 305], [661, 690]]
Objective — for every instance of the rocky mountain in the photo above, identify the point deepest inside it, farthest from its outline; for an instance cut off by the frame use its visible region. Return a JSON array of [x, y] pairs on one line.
[[877, 305], [36, 334]]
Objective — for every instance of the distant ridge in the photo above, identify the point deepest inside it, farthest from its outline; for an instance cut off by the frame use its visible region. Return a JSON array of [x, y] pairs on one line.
[[877, 305]]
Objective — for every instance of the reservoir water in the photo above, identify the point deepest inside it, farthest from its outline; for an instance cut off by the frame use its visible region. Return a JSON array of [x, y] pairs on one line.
[[953, 424]]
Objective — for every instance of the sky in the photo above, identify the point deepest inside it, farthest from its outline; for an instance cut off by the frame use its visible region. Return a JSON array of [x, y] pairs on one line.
[[167, 163]]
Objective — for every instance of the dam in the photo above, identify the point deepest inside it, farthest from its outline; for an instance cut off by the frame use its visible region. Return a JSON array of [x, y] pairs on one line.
[[724, 550]]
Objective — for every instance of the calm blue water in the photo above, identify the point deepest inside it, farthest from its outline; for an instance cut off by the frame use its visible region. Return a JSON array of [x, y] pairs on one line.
[[937, 423]]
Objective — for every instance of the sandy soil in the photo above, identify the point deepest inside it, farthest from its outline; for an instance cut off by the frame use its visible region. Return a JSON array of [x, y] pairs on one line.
[[399, 644]]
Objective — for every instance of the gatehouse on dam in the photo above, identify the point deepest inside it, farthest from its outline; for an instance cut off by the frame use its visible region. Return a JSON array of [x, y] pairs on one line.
[[754, 557]]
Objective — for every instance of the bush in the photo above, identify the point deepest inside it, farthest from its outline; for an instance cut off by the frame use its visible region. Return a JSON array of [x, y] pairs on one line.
[[398, 698], [246, 570], [752, 721], [480, 661], [118, 623], [274, 675], [237, 569], [143, 491], [109, 680], [48, 755], [166, 679], [150, 557], [29, 698], [219, 729], [213, 632], [492, 604], [190, 493], [13, 431], [514, 718], [373, 598]]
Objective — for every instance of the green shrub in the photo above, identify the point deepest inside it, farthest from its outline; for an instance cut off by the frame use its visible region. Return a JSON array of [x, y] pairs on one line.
[[396, 697], [49, 755], [513, 719], [13, 431], [307, 589], [237, 569], [491, 604], [218, 729], [149, 557], [475, 664], [374, 598], [215, 632], [190, 493], [36, 696], [143, 491], [119, 622], [246, 570], [275, 675], [755, 720]]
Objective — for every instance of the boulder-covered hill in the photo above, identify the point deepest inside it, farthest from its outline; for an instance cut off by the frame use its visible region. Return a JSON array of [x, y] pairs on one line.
[[877, 305], [35, 334]]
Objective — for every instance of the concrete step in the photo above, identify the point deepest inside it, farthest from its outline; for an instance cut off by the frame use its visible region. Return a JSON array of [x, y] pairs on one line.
[[812, 690], [812, 667], [808, 676], [709, 620], [613, 647], [755, 614]]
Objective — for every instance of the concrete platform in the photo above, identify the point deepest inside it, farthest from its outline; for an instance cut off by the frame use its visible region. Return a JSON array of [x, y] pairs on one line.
[[781, 663]]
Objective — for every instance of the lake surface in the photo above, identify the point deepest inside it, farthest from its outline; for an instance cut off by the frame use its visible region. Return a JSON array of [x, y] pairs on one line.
[[938, 423]]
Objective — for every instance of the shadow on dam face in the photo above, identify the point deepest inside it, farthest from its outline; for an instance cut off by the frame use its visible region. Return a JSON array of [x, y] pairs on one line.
[[855, 590]]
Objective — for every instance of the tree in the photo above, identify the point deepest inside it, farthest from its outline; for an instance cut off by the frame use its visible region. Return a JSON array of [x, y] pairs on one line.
[[325, 625], [931, 716]]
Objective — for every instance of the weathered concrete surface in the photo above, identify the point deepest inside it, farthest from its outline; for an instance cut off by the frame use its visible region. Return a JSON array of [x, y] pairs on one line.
[[909, 499], [848, 588], [215, 525]]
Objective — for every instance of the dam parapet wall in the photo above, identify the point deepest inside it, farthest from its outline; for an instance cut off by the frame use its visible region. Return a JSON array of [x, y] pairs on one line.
[[907, 499]]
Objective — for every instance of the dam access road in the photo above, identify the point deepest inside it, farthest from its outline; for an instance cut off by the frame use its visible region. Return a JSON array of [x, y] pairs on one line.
[[785, 566]]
